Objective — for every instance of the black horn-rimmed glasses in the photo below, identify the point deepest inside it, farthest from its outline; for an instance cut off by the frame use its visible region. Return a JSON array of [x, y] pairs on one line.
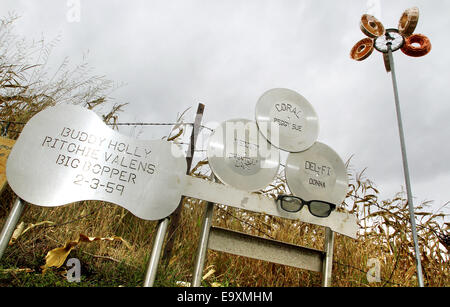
[[317, 208]]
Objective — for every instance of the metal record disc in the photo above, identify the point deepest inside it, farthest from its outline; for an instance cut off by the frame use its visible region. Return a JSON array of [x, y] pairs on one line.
[[317, 174], [240, 157], [287, 120]]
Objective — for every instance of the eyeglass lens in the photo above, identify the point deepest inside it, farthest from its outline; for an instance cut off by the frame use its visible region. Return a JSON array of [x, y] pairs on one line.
[[319, 209], [291, 204]]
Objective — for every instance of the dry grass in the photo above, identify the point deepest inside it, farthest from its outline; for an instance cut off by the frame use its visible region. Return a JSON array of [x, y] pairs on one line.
[[393, 250], [385, 235]]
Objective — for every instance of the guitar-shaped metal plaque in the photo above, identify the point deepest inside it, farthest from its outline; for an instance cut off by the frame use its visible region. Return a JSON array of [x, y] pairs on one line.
[[67, 154]]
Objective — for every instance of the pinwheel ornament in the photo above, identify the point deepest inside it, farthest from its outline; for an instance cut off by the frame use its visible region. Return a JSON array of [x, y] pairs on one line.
[[381, 39], [388, 41]]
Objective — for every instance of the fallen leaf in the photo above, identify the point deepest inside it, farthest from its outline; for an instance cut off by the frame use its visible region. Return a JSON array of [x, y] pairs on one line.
[[56, 257], [5, 148]]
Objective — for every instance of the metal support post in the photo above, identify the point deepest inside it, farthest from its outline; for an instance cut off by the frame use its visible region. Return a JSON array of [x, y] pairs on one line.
[[203, 245], [10, 225], [327, 264], [175, 217], [163, 225], [156, 253], [406, 171]]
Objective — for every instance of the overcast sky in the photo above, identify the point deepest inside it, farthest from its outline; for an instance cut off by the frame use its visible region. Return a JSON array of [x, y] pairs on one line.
[[171, 55]]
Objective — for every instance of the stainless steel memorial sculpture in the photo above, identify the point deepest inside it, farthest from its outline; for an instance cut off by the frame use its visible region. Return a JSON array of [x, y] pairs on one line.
[[67, 154]]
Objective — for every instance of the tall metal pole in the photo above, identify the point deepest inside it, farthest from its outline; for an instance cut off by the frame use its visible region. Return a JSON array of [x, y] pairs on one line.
[[406, 171], [328, 261]]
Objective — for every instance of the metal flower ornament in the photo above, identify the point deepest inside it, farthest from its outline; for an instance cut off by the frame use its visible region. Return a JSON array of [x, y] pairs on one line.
[[381, 39], [387, 41]]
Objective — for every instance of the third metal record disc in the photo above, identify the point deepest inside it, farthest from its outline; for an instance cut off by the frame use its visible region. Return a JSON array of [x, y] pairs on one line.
[[317, 174], [287, 120], [241, 157]]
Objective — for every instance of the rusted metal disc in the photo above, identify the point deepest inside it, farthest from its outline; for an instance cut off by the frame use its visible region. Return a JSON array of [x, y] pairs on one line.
[[408, 21], [416, 45], [362, 50], [371, 26]]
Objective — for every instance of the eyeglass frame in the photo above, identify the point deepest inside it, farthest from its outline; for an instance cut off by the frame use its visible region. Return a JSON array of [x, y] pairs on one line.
[[307, 203]]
